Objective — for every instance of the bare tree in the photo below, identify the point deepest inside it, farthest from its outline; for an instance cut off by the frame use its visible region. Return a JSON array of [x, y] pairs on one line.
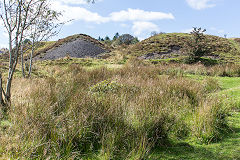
[[22, 19], [17, 17], [42, 28]]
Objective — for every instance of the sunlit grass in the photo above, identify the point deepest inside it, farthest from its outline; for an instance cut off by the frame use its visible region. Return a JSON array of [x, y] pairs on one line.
[[108, 107], [226, 149]]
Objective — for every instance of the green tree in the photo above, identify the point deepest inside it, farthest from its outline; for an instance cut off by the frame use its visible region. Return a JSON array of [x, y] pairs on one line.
[[126, 39], [107, 38], [116, 36], [135, 40], [197, 46]]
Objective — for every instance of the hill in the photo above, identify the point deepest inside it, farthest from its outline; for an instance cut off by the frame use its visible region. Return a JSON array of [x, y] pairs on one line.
[[171, 45], [79, 46]]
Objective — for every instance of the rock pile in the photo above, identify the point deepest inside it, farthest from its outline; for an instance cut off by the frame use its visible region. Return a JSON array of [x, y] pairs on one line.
[[77, 46]]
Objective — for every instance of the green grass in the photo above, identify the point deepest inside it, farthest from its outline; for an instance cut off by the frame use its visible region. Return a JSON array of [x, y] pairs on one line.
[[225, 82], [227, 149], [229, 82], [230, 86]]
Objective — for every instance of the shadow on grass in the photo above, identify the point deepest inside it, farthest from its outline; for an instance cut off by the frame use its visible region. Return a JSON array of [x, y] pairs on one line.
[[226, 149], [182, 151], [205, 61]]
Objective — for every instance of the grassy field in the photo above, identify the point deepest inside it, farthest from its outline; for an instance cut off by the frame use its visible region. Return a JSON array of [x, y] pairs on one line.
[[113, 109], [227, 148], [230, 86]]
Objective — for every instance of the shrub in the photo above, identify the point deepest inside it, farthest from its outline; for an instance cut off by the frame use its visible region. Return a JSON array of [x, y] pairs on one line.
[[105, 86], [198, 45]]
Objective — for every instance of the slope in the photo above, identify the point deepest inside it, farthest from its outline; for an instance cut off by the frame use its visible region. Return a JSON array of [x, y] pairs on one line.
[[171, 45], [79, 46]]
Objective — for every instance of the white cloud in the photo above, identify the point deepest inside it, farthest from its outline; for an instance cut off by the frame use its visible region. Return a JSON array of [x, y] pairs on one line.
[[141, 27], [139, 15], [140, 20], [78, 13], [4, 37], [201, 4], [5, 34], [124, 25]]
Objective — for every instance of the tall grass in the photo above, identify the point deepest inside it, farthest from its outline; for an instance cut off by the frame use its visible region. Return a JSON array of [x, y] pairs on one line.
[[223, 70], [108, 114]]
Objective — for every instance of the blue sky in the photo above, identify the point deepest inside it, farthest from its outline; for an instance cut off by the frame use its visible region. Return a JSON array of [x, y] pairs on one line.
[[141, 17]]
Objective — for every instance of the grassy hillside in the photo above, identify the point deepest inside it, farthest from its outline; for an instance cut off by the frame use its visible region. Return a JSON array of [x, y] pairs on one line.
[[221, 48]]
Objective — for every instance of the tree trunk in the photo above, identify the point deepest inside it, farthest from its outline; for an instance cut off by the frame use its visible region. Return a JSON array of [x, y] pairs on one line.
[[1, 91], [3, 104], [11, 71], [30, 63], [22, 60], [8, 89]]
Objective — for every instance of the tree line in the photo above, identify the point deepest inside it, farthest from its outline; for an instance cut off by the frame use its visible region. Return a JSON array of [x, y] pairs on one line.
[[124, 39]]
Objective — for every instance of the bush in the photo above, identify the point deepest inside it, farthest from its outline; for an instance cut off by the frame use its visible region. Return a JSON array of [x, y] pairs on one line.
[[198, 45], [105, 87]]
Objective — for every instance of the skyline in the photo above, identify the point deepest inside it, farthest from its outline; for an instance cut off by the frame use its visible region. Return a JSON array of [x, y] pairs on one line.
[[140, 18]]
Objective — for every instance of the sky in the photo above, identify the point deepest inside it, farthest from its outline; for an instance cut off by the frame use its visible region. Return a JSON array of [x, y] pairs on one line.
[[141, 17]]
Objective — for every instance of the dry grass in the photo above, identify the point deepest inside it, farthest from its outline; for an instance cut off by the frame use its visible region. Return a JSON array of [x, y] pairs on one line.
[[108, 114]]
